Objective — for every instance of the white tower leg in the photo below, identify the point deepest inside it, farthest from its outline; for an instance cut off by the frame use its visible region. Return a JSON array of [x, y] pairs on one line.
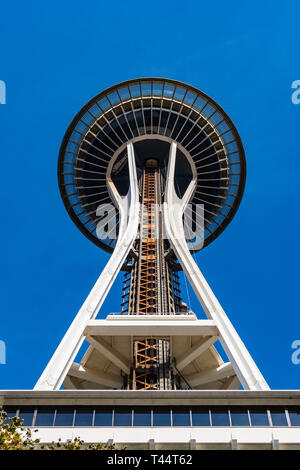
[[60, 363], [243, 364]]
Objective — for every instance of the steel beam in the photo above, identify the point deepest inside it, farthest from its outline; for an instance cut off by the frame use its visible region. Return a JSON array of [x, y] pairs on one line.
[[195, 352], [154, 328], [110, 353], [108, 380], [221, 372], [57, 369], [244, 366]]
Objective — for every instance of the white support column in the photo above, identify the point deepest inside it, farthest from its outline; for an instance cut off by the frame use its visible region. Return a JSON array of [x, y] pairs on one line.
[[234, 444], [151, 444], [275, 443], [60, 363], [193, 444], [244, 366]]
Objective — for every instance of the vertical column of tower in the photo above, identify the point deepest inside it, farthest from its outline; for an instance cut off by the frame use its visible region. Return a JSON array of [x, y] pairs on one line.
[[151, 287], [146, 351], [151, 355], [148, 288]]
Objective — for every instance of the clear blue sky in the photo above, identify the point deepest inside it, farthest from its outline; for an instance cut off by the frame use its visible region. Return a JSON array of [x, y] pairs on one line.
[[55, 56]]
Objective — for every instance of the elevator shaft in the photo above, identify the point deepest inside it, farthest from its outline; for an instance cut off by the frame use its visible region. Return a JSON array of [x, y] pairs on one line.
[[151, 287]]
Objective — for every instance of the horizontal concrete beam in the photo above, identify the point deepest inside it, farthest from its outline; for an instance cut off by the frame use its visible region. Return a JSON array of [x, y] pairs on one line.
[[164, 317], [151, 328], [221, 372], [80, 372]]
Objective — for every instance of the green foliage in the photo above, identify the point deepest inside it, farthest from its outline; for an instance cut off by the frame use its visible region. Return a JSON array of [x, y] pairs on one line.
[[13, 436], [78, 444]]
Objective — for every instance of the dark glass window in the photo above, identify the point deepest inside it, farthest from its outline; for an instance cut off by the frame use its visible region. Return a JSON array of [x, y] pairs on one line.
[[259, 417], [27, 416], [103, 417], [84, 417], [219, 417], [181, 417], [295, 416], [64, 417], [239, 417], [123, 417], [161, 417], [11, 412], [278, 417], [44, 417], [200, 417], [142, 417]]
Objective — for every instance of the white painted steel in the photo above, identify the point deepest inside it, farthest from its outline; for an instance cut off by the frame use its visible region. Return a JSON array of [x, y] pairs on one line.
[[195, 352], [153, 328], [173, 208], [60, 363], [218, 325]]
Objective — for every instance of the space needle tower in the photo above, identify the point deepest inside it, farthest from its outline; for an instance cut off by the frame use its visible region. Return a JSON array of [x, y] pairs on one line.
[[152, 171]]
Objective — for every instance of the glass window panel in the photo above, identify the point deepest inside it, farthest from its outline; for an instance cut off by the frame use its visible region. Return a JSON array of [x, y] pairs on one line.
[[168, 90], [199, 103], [135, 90], [231, 147], [220, 417], [95, 110], [142, 417], [181, 417], [222, 126], [157, 89], [228, 137], [146, 89], [259, 417], [200, 417], [84, 417], [75, 136], [124, 93], [44, 417], [161, 417], [72, 147], [64, 417], [114, 98], [104, 103], [123, 417], [294, 416], [179, 93], [208, 110], [239, 417], [81, 127], [278, 417], [27, 416], [216, 118], [234, 179], [103, 417], [88, 118], [190, 97]]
